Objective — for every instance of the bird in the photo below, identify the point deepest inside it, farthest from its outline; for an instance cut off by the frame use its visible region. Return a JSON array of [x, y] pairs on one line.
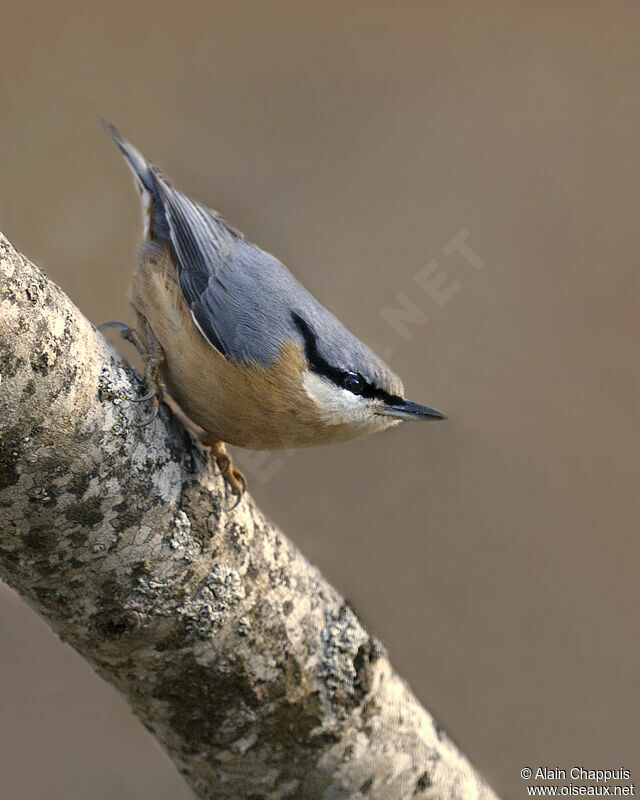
[[248, 354]]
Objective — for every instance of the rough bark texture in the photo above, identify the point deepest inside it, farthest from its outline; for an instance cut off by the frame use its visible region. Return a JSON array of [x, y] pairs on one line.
[[254, 675]]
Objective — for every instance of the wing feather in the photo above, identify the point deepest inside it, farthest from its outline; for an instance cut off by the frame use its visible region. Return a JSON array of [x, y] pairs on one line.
[[203, 245], [224, 277]]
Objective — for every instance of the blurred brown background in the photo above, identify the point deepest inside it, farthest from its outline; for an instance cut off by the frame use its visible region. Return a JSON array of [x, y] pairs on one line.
[[496, 555]]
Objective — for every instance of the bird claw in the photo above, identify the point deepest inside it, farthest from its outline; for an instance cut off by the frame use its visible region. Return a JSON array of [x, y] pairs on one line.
[[131, 335], [237, 483], [146, 422], [234, 479], [113, 324], [128, 333], [151, 393]]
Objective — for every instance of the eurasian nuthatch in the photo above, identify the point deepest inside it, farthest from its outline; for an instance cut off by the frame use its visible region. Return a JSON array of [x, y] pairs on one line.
[[245, 350]]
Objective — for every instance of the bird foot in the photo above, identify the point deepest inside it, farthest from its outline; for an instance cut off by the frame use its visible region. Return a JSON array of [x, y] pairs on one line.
[[153, 358], [234, 478]]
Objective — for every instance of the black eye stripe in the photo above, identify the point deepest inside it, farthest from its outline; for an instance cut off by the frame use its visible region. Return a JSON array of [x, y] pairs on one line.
[[338, 376], [316, 361]]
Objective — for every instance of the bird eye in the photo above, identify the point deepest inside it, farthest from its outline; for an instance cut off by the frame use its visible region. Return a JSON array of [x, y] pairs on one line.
[[353, 382]]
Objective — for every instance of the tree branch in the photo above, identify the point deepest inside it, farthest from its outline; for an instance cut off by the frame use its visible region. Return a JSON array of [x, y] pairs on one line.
[[254, 675]]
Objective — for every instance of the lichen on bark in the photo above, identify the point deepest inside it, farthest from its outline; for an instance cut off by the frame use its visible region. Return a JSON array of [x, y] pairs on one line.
[[249, 669]]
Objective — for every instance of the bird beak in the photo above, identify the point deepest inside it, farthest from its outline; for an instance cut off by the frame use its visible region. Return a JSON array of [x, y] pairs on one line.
[[405, 409]]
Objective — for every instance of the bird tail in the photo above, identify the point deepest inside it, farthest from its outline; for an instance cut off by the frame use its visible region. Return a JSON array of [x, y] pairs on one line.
[[134, 158], [143, 172]]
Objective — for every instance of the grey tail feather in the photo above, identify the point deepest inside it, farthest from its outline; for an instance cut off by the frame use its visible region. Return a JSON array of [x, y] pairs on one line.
[[155, 223], [136, 161]]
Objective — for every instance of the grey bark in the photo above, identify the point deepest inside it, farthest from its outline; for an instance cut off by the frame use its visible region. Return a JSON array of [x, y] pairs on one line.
[[255, 676]]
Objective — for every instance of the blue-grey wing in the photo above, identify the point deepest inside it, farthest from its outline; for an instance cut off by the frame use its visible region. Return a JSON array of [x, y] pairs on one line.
[[239, 296]]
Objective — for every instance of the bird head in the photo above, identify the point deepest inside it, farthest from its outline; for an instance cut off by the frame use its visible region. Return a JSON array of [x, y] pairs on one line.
[[352, 388]]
